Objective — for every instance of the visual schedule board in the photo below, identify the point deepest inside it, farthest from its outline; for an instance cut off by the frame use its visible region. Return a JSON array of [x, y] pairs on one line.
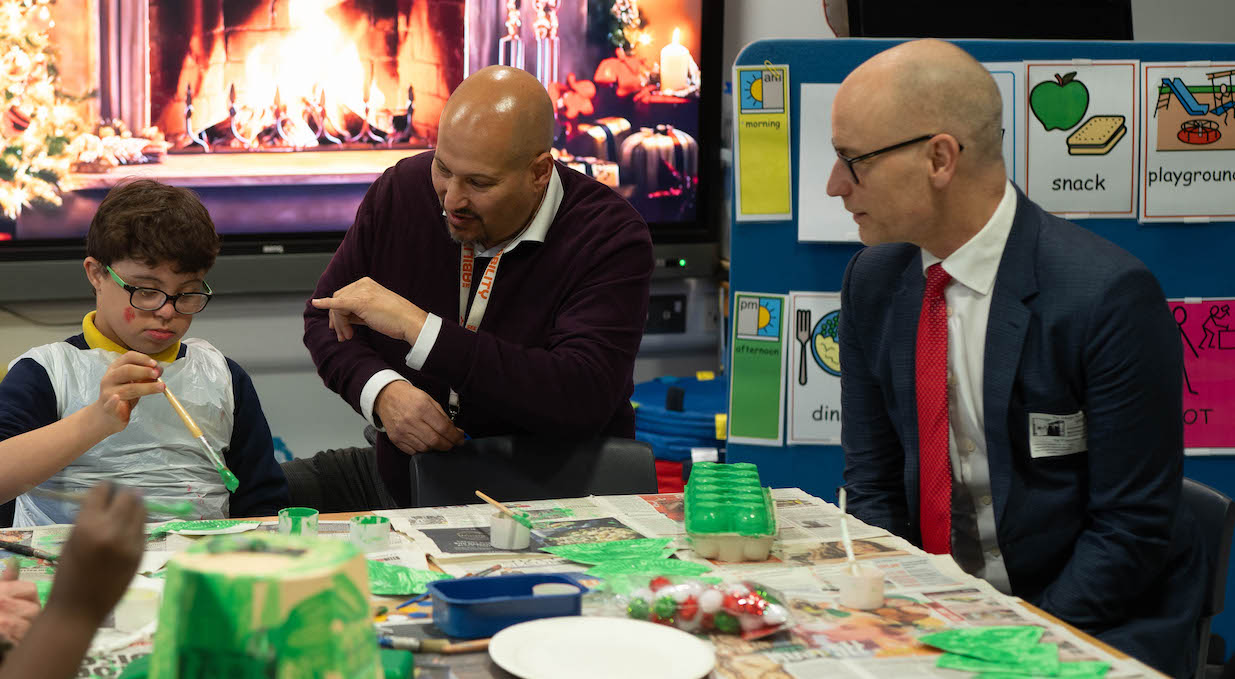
[[1176, 228], [1129, 155]]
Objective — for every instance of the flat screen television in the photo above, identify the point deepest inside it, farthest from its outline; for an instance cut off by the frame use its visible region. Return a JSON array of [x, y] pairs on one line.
[[280, 113]]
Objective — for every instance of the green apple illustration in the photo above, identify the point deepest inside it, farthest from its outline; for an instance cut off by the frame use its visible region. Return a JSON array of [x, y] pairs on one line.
[[1061, 104]]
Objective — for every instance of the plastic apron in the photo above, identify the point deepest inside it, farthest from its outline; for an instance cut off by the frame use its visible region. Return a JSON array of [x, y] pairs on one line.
[[155, 452]]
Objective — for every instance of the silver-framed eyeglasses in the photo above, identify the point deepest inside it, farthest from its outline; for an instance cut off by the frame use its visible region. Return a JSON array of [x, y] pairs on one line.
[[153, 299], [867, 156]]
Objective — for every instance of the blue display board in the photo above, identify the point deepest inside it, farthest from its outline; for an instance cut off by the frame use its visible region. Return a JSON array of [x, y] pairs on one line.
[[1190, 260]]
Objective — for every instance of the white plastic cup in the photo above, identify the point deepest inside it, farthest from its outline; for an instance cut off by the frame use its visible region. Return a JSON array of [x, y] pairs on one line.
[[506, 533], [298, 521], [862, 590], [369, 533]]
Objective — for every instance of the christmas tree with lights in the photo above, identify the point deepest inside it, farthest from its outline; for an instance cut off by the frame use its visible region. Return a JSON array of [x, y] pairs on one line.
[[37, 121]]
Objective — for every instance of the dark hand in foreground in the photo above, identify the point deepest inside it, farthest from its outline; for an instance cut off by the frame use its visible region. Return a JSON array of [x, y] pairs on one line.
[[102, 553]]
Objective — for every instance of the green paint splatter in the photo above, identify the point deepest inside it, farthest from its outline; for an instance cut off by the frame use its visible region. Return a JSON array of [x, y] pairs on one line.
[[207, 524], [388, 579]]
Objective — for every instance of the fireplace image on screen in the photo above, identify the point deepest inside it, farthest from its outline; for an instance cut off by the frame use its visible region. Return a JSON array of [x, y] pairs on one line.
[[280, 113], [258, 75]]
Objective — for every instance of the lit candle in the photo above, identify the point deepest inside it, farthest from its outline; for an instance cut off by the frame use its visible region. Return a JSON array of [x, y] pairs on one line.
[[674, 65]]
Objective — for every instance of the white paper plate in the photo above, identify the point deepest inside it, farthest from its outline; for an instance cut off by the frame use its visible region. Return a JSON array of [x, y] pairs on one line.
[[600, 648]]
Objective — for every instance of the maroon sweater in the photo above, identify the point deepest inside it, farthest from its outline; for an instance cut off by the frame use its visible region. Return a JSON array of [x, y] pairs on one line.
[[555, 352]]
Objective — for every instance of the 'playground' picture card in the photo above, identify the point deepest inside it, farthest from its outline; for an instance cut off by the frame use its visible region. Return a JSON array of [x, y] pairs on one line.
[[1189, 150]]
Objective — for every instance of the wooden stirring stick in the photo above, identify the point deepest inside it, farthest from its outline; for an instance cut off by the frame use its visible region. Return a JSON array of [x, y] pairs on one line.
[[521, 518]]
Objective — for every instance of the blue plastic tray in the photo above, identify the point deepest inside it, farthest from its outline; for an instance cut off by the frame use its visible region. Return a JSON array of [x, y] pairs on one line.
[[472, 608]]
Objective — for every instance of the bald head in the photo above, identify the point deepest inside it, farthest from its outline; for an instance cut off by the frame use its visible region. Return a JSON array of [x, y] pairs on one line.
[[504, 109], [932, 86]]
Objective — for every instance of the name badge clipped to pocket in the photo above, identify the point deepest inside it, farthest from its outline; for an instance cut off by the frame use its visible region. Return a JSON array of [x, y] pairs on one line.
[[1053, 435]]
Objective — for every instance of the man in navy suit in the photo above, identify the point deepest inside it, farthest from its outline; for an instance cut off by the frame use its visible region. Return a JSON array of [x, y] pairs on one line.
[[1041, 444]]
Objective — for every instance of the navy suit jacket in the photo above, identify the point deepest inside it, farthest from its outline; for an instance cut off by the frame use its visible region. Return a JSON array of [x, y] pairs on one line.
[[1097, 538]]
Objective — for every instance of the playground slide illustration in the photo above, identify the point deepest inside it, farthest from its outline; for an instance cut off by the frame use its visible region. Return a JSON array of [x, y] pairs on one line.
[[1180, 90]]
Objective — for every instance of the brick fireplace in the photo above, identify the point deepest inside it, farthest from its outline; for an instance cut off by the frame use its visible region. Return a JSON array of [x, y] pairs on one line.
[[246, 66]]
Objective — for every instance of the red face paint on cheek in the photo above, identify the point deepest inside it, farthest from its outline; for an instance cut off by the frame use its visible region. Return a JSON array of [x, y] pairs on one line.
[[129, 315]]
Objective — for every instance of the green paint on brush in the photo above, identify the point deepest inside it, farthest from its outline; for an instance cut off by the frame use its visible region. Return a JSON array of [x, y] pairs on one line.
[[523, 519], [229, 479]]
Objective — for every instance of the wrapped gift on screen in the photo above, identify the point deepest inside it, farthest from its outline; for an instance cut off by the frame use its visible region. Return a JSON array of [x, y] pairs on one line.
[[660, 159], [601, 139], [603, 171]]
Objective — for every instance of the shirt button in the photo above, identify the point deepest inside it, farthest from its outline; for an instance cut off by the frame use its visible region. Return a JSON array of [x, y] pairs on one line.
[[949, 312], [986, 500], [970, 446], [995, 553]]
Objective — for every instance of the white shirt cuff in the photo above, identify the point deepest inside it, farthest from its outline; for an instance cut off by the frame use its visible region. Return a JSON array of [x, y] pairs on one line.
[[368, 395], [424, 342]]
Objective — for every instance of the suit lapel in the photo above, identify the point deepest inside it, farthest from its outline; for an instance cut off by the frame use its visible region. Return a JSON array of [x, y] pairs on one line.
[[906, 307], [1006, 327]]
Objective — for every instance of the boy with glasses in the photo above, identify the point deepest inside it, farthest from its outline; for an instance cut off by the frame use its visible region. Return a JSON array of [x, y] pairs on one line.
[[69, 411]]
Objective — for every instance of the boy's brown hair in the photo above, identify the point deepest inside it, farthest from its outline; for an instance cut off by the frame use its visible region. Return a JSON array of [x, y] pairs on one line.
[[152, 222]]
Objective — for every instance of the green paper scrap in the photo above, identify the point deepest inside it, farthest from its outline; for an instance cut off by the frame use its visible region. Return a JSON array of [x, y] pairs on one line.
[[207, 524], [1042, 659], [617, 550], [389, 579], [43, 587], [648, 567], [396, 664], [1087, 669], [1004, 644]]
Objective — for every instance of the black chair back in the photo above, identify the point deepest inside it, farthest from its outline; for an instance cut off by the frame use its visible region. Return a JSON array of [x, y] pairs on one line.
[[1215, 513], [6, 513], [531, 468]]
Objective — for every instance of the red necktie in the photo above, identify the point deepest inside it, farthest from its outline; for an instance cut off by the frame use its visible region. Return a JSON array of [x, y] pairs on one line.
[[935, 468]]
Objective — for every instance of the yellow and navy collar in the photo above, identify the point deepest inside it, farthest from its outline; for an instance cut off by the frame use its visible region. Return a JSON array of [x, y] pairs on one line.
[[97, 340]]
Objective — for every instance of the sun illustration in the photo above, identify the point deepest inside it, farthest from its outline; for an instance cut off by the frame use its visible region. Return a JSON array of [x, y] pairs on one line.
[[769, 317], [756, 90]]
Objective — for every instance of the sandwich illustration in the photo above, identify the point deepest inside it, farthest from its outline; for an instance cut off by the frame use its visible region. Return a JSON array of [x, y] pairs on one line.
[[1097, 136]]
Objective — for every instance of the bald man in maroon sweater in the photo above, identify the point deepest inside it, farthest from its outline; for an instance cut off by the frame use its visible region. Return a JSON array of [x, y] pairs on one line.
[[484, 288]]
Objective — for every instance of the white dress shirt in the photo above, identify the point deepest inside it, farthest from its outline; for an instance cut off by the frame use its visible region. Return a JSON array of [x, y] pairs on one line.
[[973, 268], [536, 230]]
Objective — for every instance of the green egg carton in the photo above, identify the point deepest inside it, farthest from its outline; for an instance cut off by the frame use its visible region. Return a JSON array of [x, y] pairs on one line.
[[729, 515]]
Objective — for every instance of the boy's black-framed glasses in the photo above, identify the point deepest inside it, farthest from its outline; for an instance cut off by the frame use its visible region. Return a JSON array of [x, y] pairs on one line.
[[153, 299], [867, 156]]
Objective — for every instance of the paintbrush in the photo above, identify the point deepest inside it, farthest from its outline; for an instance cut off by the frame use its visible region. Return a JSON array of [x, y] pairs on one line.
[[229, 479], [443, 646], [521, 518], [24, 550], [851, 560], [182, 508]]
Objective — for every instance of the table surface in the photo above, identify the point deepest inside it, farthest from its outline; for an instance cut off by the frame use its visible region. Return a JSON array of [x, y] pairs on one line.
[[804, 556]]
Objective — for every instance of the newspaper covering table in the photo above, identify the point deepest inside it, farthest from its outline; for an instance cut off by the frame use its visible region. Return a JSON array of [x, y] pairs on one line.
[[924, 593]]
